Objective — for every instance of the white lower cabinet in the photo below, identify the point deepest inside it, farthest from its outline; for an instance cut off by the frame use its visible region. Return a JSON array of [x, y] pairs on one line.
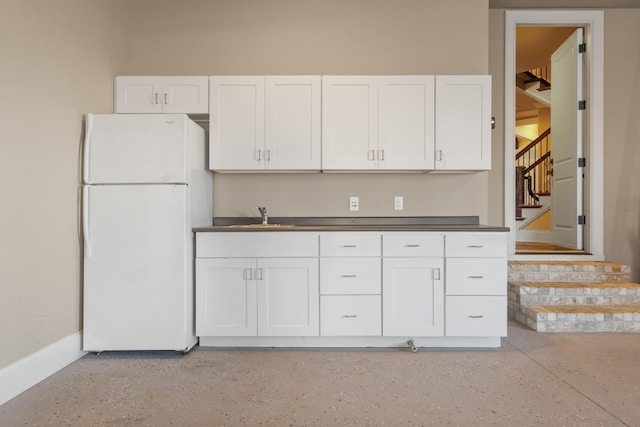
[[249, 297], [380, 288], [350, 315], [413, 297], [257, 284], [476, 289], [476, 316], [226, 297]]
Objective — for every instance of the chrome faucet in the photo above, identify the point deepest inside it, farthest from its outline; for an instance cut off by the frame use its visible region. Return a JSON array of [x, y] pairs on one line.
[[263, 212]]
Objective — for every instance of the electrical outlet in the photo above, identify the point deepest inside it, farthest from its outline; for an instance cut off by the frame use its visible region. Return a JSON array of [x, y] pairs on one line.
[[398, 203], [354, 203]]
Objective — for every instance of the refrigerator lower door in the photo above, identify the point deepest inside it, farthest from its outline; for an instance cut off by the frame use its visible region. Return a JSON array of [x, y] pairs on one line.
[[137, 283]]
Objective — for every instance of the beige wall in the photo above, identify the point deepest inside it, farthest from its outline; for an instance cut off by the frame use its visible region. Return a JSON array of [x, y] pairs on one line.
[[622, 137], [321, 37], [58, 59]]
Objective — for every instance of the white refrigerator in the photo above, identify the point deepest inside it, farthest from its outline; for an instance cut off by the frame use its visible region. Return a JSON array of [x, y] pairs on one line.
[[146, 184]]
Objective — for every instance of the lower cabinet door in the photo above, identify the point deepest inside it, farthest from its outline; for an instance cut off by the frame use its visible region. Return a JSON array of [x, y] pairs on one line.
[[476, 316], [226, 297], [413, 297], [288, 296], [350, 315]]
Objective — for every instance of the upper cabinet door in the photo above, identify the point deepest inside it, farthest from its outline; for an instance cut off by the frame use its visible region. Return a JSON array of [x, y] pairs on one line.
[[137, 94], [292, 122], [406, 123], [463, 122], [188, 95], [236, 122], [150, 94], [349, 122]]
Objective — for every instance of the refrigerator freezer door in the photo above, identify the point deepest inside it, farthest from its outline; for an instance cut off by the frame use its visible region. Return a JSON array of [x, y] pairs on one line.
[[135, 148], [137, 291]]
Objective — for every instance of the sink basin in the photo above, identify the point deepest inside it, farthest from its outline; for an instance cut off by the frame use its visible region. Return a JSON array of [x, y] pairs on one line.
[[262, 226]]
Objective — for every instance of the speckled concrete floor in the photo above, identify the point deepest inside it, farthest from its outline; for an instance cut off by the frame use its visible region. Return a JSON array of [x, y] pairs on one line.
[[533, 379]]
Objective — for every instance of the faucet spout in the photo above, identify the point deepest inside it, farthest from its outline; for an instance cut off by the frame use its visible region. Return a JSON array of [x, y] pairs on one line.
[[263, 213]]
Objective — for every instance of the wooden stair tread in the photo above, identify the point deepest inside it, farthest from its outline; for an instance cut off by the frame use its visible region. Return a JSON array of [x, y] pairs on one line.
[[584, 308], [596, 285], [530, 206], [543, 262]]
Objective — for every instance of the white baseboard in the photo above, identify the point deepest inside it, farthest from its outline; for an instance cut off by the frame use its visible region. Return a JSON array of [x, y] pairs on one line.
[[30, 370]]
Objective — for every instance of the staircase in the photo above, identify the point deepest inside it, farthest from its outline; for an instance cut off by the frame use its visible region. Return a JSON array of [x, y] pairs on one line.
[[573, 296]]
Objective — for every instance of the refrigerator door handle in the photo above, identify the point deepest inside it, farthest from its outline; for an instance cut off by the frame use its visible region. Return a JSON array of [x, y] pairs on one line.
[[85, 221], [87, 143]]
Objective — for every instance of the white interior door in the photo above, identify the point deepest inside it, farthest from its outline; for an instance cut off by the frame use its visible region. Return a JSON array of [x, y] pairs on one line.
[[566, 148], [135, 268]]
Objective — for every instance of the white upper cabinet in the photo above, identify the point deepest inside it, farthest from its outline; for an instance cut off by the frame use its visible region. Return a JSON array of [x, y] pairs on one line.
[[236, 122], [292, 122], [406, 122], [264, 123], [152, 94], [349, 122], [372, 123], [463, 123]]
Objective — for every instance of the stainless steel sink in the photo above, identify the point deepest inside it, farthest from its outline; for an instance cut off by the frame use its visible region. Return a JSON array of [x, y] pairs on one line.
[[262, 226]]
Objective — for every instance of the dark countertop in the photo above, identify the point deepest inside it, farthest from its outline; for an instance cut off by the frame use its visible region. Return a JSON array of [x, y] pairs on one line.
[[244, 224]]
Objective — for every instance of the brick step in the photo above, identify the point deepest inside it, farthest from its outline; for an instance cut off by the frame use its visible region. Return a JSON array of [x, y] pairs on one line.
[[568, 271], [576, 293], [580, 318]]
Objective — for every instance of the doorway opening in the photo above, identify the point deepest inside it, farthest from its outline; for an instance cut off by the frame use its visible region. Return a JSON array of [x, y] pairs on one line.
[[571, 226], [549, 78]]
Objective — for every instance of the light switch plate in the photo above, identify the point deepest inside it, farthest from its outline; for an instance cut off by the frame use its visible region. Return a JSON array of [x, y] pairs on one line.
[[398, 203]]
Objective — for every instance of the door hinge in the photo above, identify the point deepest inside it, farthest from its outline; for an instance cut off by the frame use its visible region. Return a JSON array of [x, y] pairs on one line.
[[582, 219], [582, 162], [582, 48], [582, 105]]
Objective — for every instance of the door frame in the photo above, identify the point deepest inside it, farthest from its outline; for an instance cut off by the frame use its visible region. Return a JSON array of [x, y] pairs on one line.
[[593, 198]]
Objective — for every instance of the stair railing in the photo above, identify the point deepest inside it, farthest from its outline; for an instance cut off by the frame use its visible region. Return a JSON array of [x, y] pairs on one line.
[[533, 172]]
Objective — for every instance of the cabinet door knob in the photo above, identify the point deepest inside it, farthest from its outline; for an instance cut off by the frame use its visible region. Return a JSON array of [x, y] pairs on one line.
[[475, 316], [475, 246], [475, 277], [349, 276], [350, 316], [371, 155], [349, 246], [412, 246], [165, 99], [156, 97]]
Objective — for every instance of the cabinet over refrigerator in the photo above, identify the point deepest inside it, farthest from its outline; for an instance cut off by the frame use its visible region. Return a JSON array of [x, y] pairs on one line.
[[145, 185]]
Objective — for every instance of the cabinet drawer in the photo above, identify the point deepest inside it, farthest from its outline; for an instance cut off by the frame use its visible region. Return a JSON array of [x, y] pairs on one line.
[[413, 245], [472, 316], [476, 276], [350, 315], [350, 276], [349, 245], [476, 245], [256, 244]]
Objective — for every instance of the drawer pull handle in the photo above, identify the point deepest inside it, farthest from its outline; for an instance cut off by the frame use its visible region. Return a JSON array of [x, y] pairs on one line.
[[475, 246], [475, 316], [412, 246], [349, 276], [350, 316], [349, 246], [475, 277]]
